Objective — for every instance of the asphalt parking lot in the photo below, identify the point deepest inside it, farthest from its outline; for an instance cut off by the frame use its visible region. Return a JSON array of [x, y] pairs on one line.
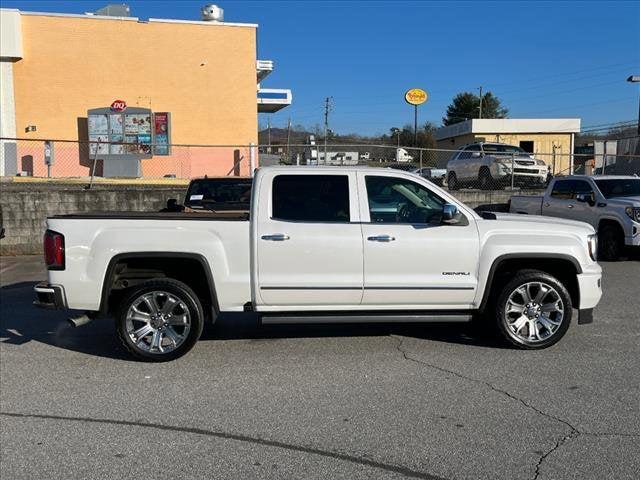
[[323, 402]]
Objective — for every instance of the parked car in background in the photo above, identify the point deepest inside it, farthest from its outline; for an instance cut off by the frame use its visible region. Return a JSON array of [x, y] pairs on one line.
[[434, 175], [611, 204], [323, 245], [489, 165]]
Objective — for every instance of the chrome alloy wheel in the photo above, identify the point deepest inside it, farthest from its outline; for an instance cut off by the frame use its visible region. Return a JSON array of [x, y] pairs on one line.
[[534, 312], [158, 322]]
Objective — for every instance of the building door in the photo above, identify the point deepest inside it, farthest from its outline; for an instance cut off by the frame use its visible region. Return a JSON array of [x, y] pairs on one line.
[[527, 145]]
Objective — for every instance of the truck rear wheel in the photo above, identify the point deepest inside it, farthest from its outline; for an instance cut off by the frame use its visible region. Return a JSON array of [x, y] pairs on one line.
[[484, 179], [533, 310], [160, 320]]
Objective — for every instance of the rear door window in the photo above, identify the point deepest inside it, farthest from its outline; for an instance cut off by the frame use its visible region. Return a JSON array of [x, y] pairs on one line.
[[562, 190], [311, 198]]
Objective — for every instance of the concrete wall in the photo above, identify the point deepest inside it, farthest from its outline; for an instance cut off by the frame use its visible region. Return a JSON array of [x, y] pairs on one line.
[[25, 206]]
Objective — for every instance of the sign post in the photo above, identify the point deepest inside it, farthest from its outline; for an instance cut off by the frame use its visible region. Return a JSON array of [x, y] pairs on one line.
[[415, 97], [48, 156]]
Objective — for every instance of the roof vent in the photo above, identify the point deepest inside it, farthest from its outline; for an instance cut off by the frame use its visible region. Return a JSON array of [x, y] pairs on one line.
[[115, 10], [212, 13]]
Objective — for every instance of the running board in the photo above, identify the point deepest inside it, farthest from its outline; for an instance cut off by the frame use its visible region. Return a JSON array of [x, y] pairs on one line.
[[359, 318]]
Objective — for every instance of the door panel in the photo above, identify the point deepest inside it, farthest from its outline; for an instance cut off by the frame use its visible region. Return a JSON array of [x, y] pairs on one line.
[[424, 264], [312, 254]]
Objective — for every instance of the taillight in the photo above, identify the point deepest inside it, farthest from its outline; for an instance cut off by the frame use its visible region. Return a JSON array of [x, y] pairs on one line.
[[54, 250]]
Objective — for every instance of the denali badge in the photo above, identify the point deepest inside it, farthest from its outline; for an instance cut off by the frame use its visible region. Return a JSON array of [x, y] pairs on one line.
[[456, 273]]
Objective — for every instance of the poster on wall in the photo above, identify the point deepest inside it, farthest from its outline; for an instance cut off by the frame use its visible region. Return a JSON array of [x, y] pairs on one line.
[[98, 125], [161, 131], [137, 123], [115, 124], [131, 144], [99, 144], [128, 131], [116, 147], [144, 144]]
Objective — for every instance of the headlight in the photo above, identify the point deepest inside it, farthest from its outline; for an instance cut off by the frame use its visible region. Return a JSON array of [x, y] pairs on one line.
[[633, 213], [540, 162], [592, 241]]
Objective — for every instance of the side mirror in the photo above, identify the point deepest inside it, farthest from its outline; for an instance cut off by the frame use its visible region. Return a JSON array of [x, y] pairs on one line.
[[586, 198], [476, 154], [450, 214]]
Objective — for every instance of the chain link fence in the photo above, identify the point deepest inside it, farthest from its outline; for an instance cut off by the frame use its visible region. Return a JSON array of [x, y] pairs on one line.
[[453, 169]]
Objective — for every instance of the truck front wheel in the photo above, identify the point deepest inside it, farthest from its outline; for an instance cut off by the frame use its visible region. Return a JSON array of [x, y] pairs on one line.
[[533, 310], [160, 320], [611, 242]]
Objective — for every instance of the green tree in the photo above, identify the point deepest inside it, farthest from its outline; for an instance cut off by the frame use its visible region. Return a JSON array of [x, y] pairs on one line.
[[466, 105]]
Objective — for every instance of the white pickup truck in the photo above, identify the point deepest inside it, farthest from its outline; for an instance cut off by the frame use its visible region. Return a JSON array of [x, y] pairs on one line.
[[323, 244], [611, 204]]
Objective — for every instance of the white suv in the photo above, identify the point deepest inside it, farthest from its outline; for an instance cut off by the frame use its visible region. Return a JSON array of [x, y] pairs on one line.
[[488, 165]]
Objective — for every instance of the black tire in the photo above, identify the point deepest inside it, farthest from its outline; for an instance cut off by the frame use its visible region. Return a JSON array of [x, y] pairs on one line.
[[610, 243], [453, 181], [522, 278], [484, 179], [177, 290]]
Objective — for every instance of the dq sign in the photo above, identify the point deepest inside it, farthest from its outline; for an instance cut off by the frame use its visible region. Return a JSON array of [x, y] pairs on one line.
[[118, 106], [416, 96]]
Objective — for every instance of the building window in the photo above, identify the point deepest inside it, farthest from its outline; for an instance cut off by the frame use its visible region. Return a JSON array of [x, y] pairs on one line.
[[527, 146]]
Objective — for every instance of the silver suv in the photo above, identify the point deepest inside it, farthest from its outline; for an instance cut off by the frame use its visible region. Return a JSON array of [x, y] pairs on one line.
[[488, 165]]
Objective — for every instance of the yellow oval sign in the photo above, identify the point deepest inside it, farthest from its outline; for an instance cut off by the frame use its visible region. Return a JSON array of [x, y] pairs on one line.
[[416, 96]]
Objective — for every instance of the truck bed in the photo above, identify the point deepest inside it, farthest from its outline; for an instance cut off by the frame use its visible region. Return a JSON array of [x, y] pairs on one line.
[[526, 204]]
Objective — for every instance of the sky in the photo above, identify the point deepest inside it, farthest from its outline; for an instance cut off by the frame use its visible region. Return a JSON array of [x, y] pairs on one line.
[[542, 59]]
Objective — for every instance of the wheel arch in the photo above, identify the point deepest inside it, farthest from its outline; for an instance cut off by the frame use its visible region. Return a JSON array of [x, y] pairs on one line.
[[162, 260], [562, 266], [608, 221]]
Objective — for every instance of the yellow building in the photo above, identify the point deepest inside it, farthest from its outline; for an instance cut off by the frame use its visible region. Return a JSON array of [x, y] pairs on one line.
[[551, 140], [57, 67]]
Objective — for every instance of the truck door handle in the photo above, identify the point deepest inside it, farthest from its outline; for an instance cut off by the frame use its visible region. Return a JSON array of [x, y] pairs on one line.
[[276, 237], [381, 238], [569, 206]]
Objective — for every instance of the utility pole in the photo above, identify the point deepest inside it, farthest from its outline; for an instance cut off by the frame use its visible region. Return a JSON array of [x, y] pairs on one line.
[[480, 114], [326, 126], [269, 134], [288, 139]]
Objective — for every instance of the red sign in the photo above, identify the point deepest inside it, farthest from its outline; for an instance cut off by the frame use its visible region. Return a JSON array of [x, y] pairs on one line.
[[118, 106]]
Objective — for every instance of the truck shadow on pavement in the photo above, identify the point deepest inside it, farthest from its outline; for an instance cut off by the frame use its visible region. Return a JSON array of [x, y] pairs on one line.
[[21, 323]]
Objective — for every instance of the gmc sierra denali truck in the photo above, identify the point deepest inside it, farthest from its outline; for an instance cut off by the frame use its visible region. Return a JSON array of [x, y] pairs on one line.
[[609, 203], [323, 244]]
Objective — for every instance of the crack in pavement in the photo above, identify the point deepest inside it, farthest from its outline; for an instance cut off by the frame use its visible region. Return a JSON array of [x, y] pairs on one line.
[[405, 471], [574, 432]]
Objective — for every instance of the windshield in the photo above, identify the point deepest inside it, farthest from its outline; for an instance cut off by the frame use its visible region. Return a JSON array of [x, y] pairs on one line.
[[626, 187], [499, 148], [219, 194]]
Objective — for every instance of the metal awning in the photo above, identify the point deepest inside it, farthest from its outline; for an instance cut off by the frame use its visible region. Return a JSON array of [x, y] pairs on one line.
[[263, 68], [271, 100]]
